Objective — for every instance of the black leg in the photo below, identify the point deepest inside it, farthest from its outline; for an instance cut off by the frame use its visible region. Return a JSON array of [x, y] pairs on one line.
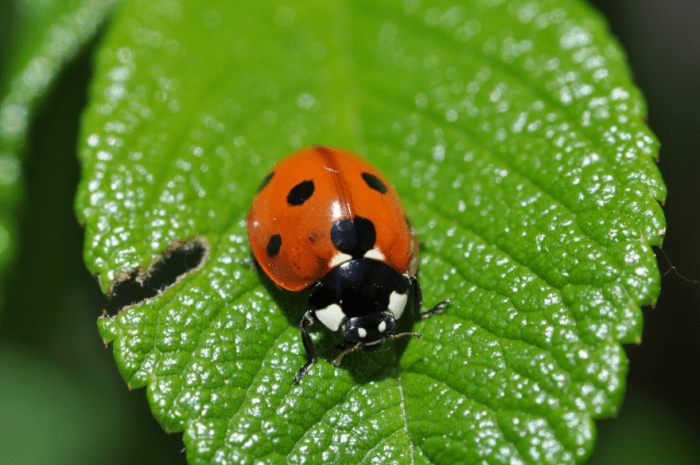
[[250, 261], [417, 298], [307, 321], [418, 302], [343, 345]]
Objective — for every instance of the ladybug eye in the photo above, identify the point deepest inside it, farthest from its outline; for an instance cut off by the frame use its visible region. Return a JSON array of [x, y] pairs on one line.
[[374, 182], [300, 193]]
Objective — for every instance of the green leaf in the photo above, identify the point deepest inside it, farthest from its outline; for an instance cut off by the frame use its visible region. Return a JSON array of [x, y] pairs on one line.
[[515, 137], [47, 36]]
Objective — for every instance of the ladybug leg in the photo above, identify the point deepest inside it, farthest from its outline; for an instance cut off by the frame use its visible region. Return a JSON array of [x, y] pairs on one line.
[[343, 345], [355, 347], [418, 302], [252, 262], [306, 321]]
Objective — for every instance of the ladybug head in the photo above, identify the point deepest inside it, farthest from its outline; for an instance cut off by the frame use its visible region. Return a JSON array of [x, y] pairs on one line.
[[370, 329], [368, 333]]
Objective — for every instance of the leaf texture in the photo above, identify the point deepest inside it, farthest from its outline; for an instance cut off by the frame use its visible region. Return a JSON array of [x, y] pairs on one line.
[[516, 139]]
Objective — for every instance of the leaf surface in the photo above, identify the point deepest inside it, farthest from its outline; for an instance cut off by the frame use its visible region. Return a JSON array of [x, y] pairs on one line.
[[514, 135]]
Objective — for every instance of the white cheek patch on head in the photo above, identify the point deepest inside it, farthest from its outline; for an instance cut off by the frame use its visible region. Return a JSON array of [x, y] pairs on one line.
[[338, 259], [331, 317], [375, 254], [397, 303]]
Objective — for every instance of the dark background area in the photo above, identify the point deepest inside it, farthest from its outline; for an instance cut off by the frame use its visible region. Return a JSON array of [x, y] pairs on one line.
[[659, 421]]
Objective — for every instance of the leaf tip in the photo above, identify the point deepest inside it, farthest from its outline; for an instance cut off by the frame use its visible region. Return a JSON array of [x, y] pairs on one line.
[[107, 328]]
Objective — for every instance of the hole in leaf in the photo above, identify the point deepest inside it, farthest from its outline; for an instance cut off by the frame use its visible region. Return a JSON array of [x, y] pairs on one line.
[[179, 259]]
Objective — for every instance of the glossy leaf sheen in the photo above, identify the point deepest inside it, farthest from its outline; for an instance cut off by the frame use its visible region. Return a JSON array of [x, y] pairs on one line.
[[515, 137]]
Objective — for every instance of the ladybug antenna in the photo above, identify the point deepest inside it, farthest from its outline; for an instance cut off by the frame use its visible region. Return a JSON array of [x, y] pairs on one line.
[[416, 335], [357, 346]]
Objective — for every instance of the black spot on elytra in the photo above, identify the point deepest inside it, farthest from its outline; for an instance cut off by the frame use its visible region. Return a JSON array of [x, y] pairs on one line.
[[273, 246], [300, 193], [366, 234], [353, 237], [374, 182], [266, 181]]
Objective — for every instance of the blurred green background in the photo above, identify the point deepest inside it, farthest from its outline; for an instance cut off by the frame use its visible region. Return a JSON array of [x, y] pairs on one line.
[[62, 400]]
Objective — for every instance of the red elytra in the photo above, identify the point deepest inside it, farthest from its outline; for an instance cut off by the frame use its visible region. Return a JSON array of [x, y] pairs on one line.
[[304, 195]]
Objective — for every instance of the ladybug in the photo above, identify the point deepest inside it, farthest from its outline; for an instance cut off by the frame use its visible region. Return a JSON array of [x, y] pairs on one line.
[[327, 219]]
